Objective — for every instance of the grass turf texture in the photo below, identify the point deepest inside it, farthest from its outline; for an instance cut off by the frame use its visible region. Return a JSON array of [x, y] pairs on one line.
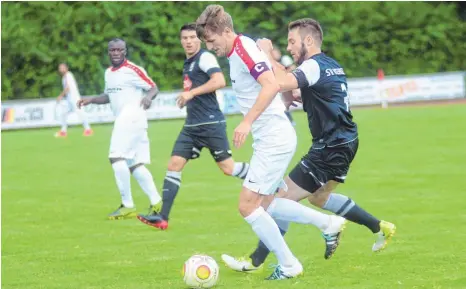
[[56, 193]]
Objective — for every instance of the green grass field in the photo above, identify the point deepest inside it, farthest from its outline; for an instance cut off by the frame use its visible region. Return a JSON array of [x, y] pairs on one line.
[[56, 193]]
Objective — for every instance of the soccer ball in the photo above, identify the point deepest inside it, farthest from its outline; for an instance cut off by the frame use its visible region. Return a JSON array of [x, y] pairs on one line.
[[200, 271]]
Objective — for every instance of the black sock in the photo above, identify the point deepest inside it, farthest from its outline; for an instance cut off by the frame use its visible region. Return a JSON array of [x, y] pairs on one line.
[[260, 254], [171, 185], [347, 208], [358, 215]]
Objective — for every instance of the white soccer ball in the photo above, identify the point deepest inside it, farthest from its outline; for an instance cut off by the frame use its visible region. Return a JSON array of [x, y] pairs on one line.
[[200, 271]]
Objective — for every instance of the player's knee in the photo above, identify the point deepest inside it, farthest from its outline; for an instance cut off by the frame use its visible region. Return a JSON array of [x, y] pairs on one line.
[[175, 165], [227, 170], [246, 208], [318, 199]]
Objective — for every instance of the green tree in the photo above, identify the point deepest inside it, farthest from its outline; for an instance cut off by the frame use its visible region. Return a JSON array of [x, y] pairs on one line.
[[401, 37]]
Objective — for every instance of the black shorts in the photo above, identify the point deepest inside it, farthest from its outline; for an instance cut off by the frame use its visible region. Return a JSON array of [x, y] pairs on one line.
[[319, 166], [192, 139]]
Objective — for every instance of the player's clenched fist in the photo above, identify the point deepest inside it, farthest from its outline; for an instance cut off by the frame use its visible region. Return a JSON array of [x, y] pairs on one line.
[[241, 133], [183, 98], [83, 102], [265, 44]]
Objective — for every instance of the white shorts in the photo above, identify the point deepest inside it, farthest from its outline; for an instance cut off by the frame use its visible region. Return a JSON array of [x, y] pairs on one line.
[[274, 147], [67, 105], [130, 143]]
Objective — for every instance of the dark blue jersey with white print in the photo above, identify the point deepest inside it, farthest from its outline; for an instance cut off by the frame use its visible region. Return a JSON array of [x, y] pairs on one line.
[[202, 109], [325, 100]]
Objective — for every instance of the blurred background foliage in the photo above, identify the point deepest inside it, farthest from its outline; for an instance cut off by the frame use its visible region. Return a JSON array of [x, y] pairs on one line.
[[400, 37]]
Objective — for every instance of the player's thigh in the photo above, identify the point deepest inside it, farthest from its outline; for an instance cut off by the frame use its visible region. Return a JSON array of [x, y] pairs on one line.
[[320, 197], [124, 141], [185, 145], [141, 146], [176, 163], [266, 171], [227, 166], [214, 137], [292, 191]]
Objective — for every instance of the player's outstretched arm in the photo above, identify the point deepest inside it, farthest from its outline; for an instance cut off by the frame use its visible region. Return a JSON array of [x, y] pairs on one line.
[[286, 80], [101, 99]]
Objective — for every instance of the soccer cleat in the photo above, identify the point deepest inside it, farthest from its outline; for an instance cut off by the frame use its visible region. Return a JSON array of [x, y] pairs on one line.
[[122, 213], [153, 219], [332, 235], [387, 230], [242, 264], [88, 132], [155, 209], [61, 134], [282, 273]]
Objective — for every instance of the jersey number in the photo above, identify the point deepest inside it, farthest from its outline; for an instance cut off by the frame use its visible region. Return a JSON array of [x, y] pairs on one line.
[[346, 98]]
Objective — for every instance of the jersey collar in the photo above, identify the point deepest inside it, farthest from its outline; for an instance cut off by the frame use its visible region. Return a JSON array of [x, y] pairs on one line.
[[192, 57], [234, 44]]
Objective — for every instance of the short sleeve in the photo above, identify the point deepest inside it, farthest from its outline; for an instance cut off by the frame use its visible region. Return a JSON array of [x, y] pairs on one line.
[[106, 81], [208, 63], [70, 80], [307, 74], [140, 78], [252, 56]]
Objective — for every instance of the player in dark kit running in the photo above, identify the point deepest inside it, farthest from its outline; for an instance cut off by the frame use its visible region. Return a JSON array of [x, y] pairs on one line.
[[204, 126], [335, 137]]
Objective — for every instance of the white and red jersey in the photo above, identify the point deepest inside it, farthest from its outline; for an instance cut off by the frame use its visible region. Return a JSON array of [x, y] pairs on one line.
[[126, 85], [69, 81], [247, 63]]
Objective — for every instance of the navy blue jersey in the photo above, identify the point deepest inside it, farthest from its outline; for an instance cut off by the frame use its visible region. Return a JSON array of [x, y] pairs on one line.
[[325, 100], [202, 109]]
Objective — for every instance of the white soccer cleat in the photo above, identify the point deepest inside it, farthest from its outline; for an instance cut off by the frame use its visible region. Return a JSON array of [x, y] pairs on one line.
[[243, 264], [282, 273], [332, 235]]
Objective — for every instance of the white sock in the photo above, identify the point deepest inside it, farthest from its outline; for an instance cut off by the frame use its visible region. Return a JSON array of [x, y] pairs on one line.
[[83, 117], [282, 224], [267, 231], [123, 181], [145, 180], [240, 170], [64, 125], [291, 211]]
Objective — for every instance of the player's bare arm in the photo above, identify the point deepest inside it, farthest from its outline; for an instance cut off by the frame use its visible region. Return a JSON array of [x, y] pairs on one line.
[[286, 80], [101, 99], [266, 95], [151, 95], [216, 81], [64, 92]]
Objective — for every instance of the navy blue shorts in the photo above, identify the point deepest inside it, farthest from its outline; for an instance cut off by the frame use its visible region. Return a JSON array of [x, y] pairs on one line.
[[193, 139]]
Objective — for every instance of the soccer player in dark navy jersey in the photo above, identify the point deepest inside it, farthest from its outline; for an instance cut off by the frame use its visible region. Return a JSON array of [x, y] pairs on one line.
[[334, 133], [204, 126]]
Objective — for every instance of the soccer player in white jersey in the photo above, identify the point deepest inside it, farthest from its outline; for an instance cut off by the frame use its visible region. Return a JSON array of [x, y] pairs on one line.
[[274, 140], [130, 91], [67, 100]]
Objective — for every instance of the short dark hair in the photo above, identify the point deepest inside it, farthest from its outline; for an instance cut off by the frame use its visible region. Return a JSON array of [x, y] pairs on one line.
[[308, 26], [188, 26], [116, 39]]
